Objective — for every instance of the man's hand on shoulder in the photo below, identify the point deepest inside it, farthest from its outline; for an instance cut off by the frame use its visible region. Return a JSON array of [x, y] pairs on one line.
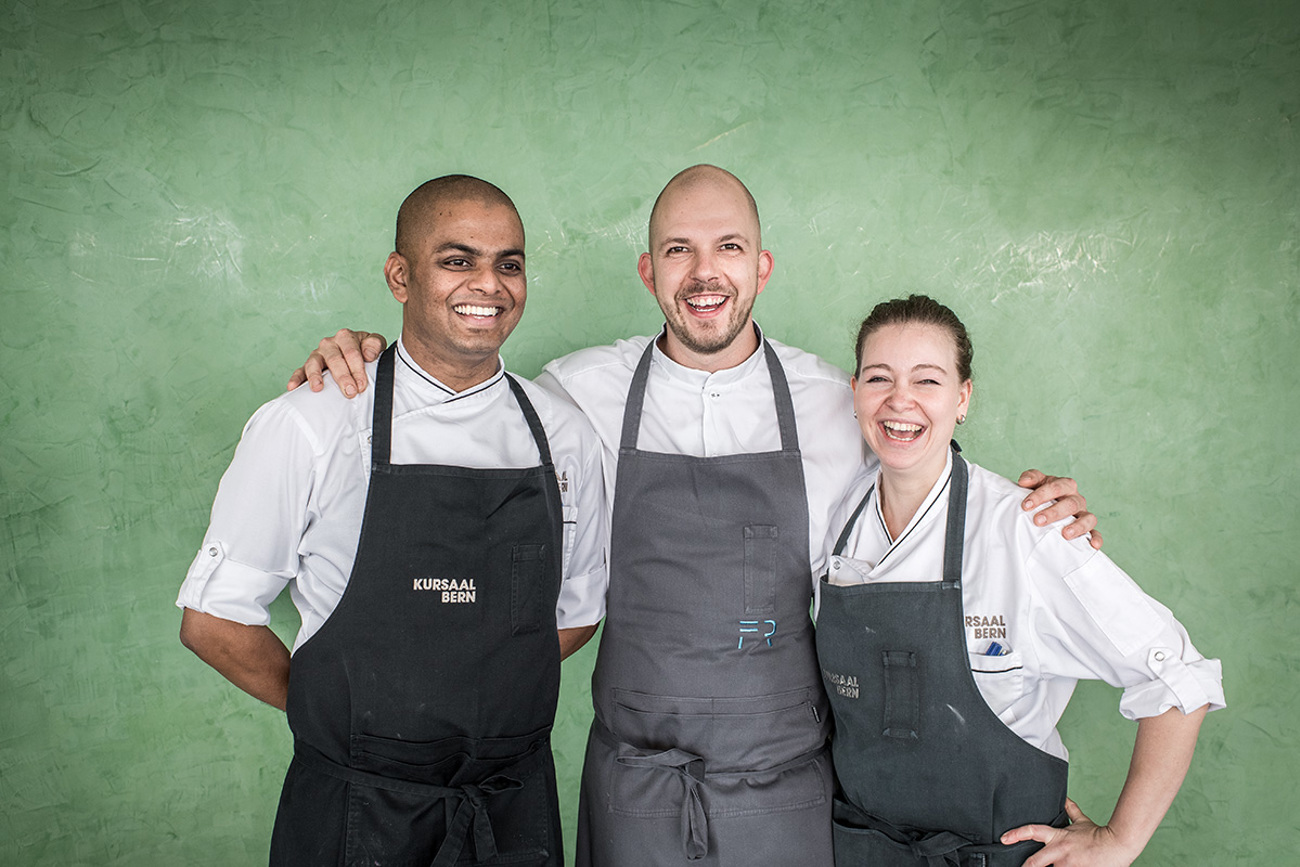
[[345, 356], [1067, 501]]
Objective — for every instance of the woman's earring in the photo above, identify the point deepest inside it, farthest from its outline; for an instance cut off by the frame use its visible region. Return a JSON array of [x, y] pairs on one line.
[[961, 419]]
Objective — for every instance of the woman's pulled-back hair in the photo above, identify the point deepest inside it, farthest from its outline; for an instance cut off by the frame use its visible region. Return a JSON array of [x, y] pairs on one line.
[[917, 309]]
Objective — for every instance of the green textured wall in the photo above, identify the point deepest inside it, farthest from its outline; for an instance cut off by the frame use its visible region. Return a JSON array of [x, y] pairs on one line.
[[193, 193]]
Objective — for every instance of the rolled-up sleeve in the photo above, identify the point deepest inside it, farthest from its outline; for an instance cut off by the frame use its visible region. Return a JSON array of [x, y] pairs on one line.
[[250, 551], [1095, 622]]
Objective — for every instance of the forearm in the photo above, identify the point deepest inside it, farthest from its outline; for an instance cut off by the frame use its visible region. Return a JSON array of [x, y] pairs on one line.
[[1161, 755], [253, 658], [572, 640]]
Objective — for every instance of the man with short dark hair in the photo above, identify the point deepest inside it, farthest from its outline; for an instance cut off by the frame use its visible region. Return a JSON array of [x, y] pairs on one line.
[[443, 540]]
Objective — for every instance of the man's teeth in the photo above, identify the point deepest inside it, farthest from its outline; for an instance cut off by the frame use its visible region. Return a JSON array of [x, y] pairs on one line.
[[902, 430], [705, 303], [475, 310]]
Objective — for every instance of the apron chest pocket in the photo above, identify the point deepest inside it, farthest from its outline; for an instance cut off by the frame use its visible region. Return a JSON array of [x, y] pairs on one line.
[[902, 695], [527, 571], [760, 568]]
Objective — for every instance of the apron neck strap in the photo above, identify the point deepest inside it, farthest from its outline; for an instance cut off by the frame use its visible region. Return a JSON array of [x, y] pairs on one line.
[[780, 393], [381, 424], [534, 423], [851, 523], [955, 537]]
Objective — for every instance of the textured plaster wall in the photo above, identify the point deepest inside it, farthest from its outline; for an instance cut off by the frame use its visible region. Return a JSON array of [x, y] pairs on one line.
[[191, 194]]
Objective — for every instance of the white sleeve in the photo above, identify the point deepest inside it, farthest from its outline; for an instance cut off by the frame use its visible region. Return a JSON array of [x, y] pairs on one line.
[[549, 381], [250, 551], [586, 576], [1091, 620]]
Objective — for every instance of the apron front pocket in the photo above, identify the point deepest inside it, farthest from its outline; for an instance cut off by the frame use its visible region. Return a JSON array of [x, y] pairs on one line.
[[735, 734]]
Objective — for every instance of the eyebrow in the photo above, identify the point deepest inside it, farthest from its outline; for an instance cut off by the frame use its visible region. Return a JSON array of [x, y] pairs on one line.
[[474, 251], [914, 368], [734, 236]]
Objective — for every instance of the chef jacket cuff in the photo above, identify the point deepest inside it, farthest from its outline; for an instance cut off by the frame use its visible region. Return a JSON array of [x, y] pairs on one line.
[[1184, 685], [582, 599], [224, 588]]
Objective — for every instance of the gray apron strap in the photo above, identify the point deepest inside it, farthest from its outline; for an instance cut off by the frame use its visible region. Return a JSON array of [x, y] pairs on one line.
[[851, 523], [780, 390], [690, 769]]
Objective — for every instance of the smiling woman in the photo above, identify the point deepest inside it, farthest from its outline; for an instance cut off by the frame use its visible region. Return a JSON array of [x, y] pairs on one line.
[[934, 562]]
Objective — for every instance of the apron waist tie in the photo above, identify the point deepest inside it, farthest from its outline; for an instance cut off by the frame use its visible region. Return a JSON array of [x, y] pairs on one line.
[[465, 806], [690, 768], [938, 848]]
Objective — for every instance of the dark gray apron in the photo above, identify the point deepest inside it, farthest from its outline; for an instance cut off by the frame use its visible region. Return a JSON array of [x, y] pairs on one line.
[[928, 775], [422, 709], [709, 743]]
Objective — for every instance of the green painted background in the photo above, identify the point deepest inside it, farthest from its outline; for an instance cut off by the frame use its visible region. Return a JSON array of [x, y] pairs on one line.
[[194, 193]]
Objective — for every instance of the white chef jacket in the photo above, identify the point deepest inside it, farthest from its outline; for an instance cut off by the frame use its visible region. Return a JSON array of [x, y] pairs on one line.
[[289, 508], [702, 414], [1061, 610]]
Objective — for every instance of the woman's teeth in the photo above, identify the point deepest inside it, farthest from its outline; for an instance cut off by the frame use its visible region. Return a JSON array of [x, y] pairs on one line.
[[899, 430]]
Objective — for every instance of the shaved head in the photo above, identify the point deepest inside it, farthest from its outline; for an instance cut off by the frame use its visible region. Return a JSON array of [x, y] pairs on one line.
[[416, 216], [702, 177]]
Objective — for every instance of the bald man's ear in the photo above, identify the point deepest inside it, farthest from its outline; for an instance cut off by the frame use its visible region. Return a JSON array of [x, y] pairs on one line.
[[645, 267], [765, 265], [397, 271]]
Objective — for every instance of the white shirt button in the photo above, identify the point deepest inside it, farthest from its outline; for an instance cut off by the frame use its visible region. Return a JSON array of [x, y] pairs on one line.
[[212, 552], [1160, 656]]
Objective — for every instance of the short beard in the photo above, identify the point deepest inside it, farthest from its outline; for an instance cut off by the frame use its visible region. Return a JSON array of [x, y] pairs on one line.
[[712, 344]]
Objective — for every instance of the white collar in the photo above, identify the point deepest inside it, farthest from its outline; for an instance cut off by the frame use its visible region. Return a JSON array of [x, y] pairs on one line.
[[429, 388], [698, 378], [927, 511]]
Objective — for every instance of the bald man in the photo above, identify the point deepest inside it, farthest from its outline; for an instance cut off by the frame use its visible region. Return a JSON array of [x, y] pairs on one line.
[[444, 542], [725, 454]]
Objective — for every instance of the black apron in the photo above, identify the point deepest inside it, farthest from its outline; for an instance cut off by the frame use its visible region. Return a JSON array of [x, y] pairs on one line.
[[927, 773], [709, 743], [421, 710]]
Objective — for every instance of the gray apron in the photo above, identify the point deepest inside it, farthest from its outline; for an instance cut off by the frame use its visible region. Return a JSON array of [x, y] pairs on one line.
[[928, 774], [709, 743]]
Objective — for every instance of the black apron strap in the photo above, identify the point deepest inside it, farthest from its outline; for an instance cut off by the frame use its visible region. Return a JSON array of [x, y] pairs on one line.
[[381, 424], [466, 806], [955, 537], [534, 423]]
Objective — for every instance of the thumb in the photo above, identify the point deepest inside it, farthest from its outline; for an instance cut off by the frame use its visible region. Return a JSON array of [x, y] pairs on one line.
[[1073, 812]]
